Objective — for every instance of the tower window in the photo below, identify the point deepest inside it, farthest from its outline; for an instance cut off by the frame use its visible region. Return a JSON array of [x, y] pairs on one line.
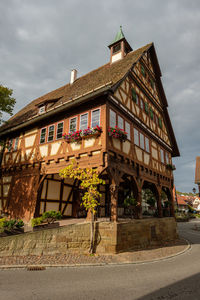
[[116, 48]]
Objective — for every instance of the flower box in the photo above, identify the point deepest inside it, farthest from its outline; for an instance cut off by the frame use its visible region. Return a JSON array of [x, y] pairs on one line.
[[78, 135], [117, 133], [171, 167], [46, 226]]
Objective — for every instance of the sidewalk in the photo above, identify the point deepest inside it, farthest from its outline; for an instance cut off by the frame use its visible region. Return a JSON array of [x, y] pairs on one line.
[[75, 259]]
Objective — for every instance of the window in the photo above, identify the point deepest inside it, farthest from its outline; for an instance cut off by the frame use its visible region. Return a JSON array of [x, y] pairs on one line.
[[112, 118], [16, 143], [10, 143], [73, 124], [142, 141], [116, 48], [167, 158], [141, 104], [162, 155], [134, 96], [152, 83], [147, 148], [160, 122], [51, 133], [42, 109], [95, 118], [43, 135], [156, 119], [120, 122], [84, 121], [146, 107], [136, 137], [143, 71], [59, 131], [128, 130], [151, 113]]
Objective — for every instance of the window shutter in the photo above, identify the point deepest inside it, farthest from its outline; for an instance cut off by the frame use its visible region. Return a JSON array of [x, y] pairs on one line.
[[134, 95], [160, 122], [143, 71], [151, 113], [146, 108]]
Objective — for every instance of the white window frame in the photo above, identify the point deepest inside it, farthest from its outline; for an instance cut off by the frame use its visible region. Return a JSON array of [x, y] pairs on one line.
[[114, 114], [16, 143], [162, 158], [86, 113], [128, 131], [57, 130], [138, 137], [76, 123], [53, 132], [44, 136], [99, 116], [142, 141], [147, 142], [121, 119]]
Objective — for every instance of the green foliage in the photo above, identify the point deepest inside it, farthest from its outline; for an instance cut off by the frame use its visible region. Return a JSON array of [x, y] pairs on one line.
[[89, 181], [11, 224], [151, 201], [130, 201], [51, 216], [6, 101], [36, 221], [2, 222], [47, 217]]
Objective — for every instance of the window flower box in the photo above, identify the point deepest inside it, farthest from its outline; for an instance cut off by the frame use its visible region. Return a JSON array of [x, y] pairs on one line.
[[171, 167], [117, 133], [89, 132], [78, 135], [73, 136]]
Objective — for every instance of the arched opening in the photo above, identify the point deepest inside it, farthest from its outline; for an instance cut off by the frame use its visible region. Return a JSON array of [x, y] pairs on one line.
[[150, 200], [167, 202]]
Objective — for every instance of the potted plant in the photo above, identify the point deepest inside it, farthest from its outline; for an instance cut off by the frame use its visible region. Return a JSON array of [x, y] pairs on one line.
[[10, 227], [131, 203], [117, 133]]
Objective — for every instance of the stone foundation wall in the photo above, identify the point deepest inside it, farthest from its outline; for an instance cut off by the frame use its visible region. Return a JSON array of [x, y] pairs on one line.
[[109, 237]]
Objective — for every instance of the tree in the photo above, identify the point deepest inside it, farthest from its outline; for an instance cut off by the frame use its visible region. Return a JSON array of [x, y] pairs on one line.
[[7, 102], [89, 181]]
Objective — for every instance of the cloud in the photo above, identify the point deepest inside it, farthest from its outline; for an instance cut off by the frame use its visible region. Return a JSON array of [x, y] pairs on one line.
[[41, 41]]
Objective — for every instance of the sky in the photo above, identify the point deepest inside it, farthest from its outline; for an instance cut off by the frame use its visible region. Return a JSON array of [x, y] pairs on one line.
[[41, 41]]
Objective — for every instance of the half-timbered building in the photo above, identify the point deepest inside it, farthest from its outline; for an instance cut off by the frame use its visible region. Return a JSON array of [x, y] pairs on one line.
[[126, 94]]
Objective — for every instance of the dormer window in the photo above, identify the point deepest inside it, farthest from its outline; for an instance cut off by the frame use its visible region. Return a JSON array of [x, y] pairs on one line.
[[41, 109]]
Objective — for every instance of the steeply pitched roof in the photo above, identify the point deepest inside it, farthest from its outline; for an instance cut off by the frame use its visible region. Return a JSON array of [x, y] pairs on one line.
[[94, 80]]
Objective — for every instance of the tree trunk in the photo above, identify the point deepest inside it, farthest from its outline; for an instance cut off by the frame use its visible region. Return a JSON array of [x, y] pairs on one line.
[[92, 233]]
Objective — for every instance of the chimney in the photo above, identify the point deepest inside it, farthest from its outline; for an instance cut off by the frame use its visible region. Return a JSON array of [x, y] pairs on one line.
[[73, 76]]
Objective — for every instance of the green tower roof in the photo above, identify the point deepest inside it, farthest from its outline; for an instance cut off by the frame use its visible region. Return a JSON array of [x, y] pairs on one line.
[[119, 36]]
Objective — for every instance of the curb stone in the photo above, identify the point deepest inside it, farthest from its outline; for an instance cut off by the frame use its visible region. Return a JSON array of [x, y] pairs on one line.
[[45, 266]]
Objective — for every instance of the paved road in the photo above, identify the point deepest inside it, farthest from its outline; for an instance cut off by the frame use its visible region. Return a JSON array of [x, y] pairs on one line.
[[175, 278]]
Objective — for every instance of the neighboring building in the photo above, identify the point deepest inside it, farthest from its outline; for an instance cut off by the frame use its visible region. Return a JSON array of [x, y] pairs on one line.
[[181, 203], [126, 92]]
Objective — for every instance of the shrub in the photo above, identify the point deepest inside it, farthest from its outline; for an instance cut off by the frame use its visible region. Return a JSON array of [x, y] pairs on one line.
[[47, 217], [36, 221]]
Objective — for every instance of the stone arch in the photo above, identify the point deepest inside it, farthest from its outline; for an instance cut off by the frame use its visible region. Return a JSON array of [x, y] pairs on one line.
[[168, 204], [154, 206]]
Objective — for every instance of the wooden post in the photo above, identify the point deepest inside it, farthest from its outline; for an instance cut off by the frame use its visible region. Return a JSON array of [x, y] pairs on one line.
[[114, 187], [171, 205], [139, 207], [159, 205]]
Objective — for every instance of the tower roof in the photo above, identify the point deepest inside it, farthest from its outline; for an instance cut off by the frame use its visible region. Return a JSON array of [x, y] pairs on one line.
[[119, 36]]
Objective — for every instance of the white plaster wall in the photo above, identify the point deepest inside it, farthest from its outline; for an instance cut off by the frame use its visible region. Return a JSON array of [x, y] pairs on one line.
[[29, 141]]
